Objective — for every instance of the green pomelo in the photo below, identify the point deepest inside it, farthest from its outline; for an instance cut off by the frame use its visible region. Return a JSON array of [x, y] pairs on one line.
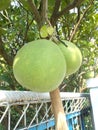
[[39, 66], [72, 56], [4, 4]]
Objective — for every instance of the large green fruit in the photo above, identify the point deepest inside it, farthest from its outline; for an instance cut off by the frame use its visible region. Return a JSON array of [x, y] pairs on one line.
[[39, 66], [72, 56], [4, 4]]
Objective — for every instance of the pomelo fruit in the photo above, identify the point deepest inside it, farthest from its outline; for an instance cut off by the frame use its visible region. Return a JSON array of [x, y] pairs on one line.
[[4, 4], [39, 66], [72, 56]]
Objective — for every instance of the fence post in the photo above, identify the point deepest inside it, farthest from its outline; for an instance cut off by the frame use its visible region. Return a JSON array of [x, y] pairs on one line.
[[82, 122], [70, 124], [92, 83]]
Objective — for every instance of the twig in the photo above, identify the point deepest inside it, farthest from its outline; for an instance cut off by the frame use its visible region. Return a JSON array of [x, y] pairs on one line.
[[78, 23], [6, 16], [27, 28], [75, 3], [59, 37]]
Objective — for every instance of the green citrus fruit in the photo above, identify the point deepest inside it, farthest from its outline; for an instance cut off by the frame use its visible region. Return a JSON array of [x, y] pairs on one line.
[[4, 4], [39, 66], [72, 56]]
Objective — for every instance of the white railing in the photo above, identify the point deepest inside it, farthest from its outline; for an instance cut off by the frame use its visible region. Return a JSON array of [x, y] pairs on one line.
[[25, 110]]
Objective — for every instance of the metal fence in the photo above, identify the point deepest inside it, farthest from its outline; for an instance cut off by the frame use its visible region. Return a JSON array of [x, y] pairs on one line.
[[25, 110]]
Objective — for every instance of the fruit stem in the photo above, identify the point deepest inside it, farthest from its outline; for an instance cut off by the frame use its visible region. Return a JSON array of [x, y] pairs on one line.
[[58, 110]]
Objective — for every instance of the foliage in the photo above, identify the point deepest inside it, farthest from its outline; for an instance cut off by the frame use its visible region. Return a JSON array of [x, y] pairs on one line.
[[72, 20]]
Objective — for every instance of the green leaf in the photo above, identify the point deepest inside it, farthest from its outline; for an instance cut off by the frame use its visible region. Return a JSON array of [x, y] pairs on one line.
[[43, 31], [4, 4], [2, 30], [25, 4], [2, 127], [85, 52], [5, 77], [50, 30]]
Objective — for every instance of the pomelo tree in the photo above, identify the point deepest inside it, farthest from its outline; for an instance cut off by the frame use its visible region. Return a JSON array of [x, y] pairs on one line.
[[26, 20]]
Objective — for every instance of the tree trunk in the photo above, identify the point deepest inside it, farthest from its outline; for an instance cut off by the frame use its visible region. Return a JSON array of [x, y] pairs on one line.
[[58, 110]]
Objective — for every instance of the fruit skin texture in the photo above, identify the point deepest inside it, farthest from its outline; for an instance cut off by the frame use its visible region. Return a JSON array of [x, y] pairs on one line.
[[4, 4], [39, 66], [72, 56]]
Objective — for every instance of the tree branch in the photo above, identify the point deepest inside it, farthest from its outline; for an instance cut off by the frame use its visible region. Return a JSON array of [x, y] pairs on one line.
[[78, 23], [58, 110], [57, 14], [43, 11], [78, 11], [3, 53], [55, 11], [72, 5], [56, 7], [28, 24], [35, 12]]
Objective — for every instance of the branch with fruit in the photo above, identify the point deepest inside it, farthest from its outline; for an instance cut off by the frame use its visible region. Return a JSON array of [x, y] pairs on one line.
[[42, 65]]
